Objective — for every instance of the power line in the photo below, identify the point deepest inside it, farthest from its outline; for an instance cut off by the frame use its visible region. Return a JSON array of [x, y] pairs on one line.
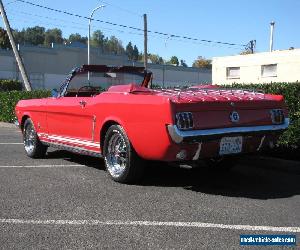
[[123, 9], [110, 30], [15, 18], [11, 2], [65, 22], [131, 27], [46, 17]]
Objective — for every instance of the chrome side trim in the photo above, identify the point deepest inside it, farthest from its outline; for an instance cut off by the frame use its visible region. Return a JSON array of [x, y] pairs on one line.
[[179, 136], [93, 128], [57, 138], [76, 150]]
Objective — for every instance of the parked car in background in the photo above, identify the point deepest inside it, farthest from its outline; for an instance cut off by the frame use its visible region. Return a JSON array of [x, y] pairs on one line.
[[112, 112]]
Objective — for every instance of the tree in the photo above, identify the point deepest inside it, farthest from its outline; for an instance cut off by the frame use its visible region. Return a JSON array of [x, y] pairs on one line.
[[156, 59], [114, 45], [174, 60], [35, 35], [98, 39], [249, 48], [201, 62], [53, 36], [141, 57], [77, 38], [135, 53], [19, 36], [129, 51], [246, 51], [183, 64], [4, 40]]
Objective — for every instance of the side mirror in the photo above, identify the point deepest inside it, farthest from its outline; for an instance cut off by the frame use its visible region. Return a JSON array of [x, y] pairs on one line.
[[54, 93]]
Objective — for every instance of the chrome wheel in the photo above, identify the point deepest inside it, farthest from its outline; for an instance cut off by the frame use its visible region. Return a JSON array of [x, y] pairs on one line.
[[116, 155], [121, 161], [29, 138], [32, 145]]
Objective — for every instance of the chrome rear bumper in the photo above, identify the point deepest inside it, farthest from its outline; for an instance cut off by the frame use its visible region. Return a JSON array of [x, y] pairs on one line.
[[179, 136]]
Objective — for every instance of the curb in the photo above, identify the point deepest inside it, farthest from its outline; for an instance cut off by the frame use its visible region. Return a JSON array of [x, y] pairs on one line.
[[272, 163], [7, 125]]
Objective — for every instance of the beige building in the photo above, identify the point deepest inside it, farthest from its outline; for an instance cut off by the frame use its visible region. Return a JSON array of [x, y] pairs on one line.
[[266, 67]]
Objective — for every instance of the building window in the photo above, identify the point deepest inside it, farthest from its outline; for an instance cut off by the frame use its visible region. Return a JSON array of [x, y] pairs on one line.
[[233, 72], [269, 70]]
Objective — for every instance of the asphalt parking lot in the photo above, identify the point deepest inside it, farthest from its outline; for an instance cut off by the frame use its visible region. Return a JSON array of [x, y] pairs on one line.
[[68, 201]]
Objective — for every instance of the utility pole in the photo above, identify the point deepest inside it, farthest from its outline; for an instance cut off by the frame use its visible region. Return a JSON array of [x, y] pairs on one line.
[[145, 42], [13, 45], [271, 35], [252, 46]]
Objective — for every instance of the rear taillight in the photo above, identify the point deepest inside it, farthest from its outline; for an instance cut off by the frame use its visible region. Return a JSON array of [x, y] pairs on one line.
[[184, 120], [277, 116]]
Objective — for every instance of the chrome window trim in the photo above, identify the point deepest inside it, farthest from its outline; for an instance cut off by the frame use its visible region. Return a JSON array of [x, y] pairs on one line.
[[179, 136]]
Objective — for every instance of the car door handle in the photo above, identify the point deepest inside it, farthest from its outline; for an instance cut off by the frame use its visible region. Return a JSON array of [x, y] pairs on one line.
[[82, 103]]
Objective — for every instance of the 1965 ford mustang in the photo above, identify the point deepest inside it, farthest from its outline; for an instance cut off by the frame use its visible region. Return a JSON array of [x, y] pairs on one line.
[[130, 122]]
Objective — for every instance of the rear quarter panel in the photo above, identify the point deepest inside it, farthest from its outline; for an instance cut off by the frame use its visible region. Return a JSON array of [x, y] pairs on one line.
[[143, 117]]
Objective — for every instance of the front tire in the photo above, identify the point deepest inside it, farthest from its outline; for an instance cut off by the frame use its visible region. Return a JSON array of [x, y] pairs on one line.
[[32, 145], [121, 161]]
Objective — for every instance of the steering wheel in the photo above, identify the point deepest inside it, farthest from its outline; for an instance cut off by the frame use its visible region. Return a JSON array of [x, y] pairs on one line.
[[87, 87]]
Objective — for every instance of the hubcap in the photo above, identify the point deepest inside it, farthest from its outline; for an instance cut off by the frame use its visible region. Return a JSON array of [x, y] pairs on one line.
[[116, 156], [29, 138]]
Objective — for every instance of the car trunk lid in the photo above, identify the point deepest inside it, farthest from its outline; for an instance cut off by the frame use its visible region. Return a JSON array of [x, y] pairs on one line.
[[214, 108]]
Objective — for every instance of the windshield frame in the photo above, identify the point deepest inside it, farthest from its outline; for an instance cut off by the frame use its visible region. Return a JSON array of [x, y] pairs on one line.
[[140, 71]]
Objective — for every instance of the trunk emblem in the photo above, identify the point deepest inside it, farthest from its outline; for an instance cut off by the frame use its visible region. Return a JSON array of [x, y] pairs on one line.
[[234, 116]]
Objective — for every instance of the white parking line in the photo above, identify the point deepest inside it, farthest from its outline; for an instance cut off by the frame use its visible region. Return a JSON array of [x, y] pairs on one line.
[[11, 143], [151, 223], [44, 166]]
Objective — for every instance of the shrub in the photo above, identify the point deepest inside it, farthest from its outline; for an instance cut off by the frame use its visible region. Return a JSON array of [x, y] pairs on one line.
[[9, 99], [290, 139], [9, 85]]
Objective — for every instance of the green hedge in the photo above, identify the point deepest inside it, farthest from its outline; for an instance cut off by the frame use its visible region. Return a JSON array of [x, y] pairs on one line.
[[291, 92], [9, 85], [9, 99]]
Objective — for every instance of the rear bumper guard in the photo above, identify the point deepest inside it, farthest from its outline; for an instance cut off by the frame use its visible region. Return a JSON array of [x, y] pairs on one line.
[[179, 136]]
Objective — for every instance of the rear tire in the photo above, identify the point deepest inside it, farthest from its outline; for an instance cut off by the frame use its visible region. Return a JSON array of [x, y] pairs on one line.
[[32, 145], [121, 161]]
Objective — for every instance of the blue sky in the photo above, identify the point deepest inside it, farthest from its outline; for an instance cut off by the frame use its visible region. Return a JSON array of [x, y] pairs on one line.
[[227, 21]]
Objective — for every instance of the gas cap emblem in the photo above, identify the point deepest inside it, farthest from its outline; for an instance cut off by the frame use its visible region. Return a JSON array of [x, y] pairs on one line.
[[234, 116]]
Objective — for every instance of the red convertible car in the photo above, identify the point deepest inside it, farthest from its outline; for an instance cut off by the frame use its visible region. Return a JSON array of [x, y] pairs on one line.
[[113, 112]]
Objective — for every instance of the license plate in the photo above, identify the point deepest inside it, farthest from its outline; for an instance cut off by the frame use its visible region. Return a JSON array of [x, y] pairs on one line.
[[231, 145]]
